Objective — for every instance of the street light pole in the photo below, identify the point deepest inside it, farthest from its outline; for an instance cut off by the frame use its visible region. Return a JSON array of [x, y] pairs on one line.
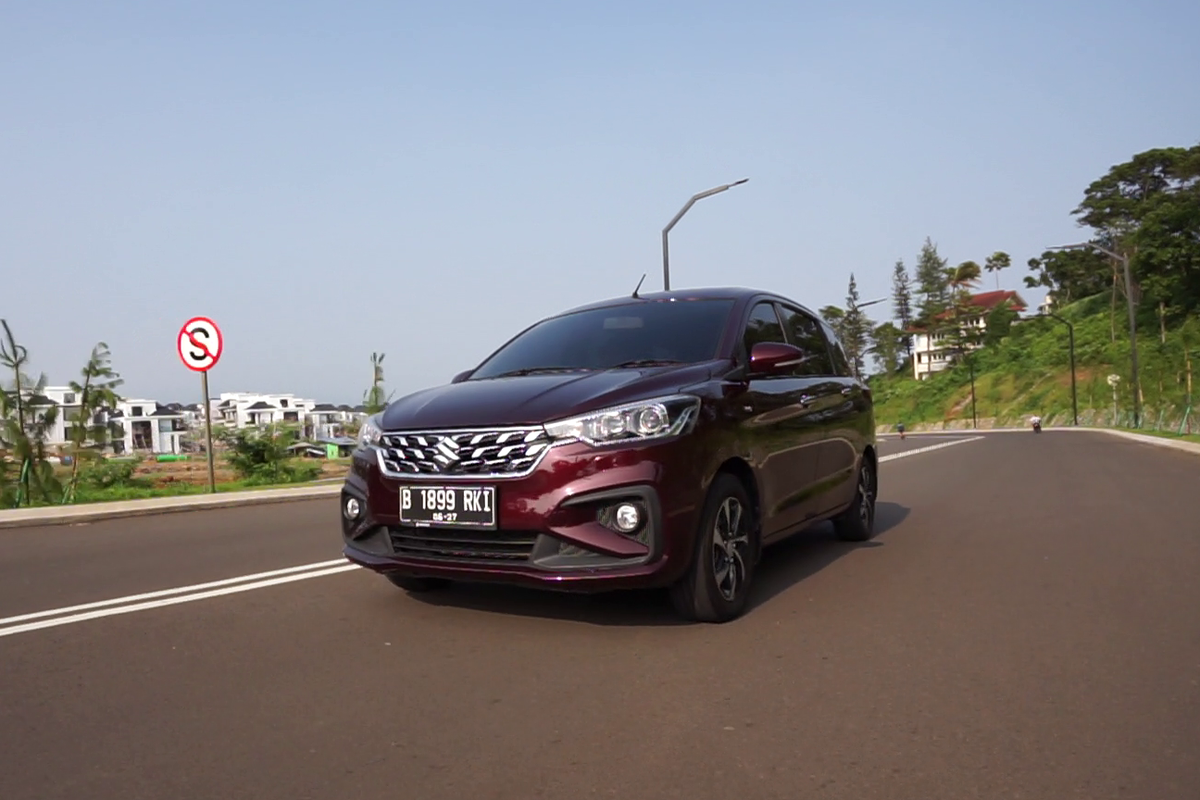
[[1071, 336], [1129, 304], [854, 308], [686, 207]]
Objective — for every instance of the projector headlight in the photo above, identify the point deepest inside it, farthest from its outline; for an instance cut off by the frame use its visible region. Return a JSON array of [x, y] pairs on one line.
[[647, 420]]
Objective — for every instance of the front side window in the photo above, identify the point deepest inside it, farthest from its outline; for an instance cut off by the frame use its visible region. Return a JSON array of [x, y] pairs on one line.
[[668, 332], [763, 326], [805, 332]]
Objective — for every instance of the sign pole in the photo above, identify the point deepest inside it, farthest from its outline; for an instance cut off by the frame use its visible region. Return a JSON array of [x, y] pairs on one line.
[[200, 345], [212, 475]]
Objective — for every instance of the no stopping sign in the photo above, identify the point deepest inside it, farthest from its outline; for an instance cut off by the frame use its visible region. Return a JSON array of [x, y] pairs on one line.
[[200, 344]]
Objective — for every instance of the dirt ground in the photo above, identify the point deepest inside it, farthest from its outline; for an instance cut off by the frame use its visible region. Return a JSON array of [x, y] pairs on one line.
[[195, 470]]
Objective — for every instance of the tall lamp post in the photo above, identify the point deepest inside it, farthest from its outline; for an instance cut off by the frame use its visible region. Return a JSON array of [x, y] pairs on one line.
[[1071, 336], [686, 207], [1133, 356]]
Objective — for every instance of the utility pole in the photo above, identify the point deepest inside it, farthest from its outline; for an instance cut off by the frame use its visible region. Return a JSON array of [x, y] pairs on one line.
[[853, 312], [686, 207]]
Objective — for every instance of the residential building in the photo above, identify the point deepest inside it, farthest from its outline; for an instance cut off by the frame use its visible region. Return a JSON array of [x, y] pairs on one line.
[[140, 425], [148, 426], [251, 409], [932, 350]]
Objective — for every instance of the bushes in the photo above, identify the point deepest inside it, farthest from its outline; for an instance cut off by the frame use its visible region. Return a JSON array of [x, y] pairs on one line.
[[263, 456]]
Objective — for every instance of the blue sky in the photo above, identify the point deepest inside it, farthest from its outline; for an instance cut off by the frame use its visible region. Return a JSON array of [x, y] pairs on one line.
[[330, 179]]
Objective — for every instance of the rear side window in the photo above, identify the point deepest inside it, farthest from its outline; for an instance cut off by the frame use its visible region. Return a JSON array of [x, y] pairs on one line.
[[763, 326], [805, 333], [841, 364]]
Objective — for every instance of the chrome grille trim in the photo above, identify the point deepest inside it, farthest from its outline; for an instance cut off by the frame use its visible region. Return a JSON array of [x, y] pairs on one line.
[[512, 452]]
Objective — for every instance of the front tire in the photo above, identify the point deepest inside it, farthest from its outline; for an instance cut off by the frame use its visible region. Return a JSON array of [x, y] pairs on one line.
[[410, 583], [857, 523], [717, 586]]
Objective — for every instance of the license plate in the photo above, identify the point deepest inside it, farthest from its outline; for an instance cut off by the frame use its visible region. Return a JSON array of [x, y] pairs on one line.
[[448, 506]]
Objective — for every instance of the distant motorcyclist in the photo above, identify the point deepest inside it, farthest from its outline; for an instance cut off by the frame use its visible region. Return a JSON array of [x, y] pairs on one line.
[[1036, 421], [900, 428]]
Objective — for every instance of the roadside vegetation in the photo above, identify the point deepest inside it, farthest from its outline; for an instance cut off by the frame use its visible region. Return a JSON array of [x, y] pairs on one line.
[[1018, 364], [36, 472]]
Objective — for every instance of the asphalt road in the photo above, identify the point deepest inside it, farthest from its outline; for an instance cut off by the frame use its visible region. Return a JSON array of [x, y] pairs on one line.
[[1025, 625]]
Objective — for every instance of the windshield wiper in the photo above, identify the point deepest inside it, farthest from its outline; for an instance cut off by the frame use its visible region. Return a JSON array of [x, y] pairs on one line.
[[646, 362], [513, 373]]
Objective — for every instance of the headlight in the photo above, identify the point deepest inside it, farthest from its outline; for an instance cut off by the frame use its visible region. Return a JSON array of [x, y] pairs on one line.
[[371, 432], [645, 421]]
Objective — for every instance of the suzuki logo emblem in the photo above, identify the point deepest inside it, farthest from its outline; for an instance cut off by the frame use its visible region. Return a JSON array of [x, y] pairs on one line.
[[447, 451]]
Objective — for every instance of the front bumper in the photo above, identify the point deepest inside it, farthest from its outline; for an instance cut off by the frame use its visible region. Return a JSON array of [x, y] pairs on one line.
[[548, 533]]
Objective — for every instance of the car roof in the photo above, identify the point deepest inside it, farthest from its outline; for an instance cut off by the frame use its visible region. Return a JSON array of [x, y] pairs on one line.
[[703, 293]]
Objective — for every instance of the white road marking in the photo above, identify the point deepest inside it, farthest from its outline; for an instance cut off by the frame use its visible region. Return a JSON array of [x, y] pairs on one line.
[[166, 601], [245, 583], [198, 587], [930, 448]]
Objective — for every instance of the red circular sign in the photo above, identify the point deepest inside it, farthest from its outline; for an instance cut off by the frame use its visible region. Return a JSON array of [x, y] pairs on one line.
[[200, 344]]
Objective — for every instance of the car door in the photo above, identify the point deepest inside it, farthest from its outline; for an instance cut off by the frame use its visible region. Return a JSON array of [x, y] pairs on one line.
[[780, 431], [822, 396], [847, 429]]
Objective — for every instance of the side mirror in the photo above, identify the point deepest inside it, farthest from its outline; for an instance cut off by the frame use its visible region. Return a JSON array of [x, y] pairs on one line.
[[462, 376], [770, 358]]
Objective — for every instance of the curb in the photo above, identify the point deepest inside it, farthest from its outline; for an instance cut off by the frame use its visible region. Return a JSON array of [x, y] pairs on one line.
[[90, 512]]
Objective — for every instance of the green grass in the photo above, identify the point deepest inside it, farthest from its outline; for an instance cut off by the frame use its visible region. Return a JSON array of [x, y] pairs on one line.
[[141, 488], [1028, 373]]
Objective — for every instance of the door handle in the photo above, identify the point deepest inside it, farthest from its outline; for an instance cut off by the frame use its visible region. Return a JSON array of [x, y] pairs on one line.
[[806, 400], [847, 390]]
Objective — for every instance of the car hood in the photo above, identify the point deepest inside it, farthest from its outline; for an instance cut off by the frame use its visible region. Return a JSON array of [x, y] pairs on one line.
[[533, 399]]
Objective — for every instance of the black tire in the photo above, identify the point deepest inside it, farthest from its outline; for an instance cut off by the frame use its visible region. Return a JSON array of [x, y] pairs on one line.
[[857, 523], [411, 583], [717, 585]]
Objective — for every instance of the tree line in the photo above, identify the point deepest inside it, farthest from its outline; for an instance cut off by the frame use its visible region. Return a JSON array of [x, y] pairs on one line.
[[1146, 210], [936, 298]]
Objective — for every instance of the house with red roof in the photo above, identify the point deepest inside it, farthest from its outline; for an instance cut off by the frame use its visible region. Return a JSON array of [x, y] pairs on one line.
[[932, 349]]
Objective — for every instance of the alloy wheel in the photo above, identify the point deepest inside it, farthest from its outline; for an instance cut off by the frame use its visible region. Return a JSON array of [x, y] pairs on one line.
[[866, 497], [730, 544]]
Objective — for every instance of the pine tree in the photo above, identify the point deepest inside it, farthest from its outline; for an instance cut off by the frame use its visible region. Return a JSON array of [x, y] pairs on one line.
[[932, 282], [902, 303], [855, 328]]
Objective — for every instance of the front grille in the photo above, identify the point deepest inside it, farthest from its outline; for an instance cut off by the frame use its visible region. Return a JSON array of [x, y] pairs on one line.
[[499, 453], [488, 547]]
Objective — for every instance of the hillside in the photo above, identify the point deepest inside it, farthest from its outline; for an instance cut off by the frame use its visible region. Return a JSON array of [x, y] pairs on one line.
[[1029, 372]]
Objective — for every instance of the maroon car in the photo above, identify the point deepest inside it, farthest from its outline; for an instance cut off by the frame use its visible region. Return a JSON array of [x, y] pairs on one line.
[[653, 441]]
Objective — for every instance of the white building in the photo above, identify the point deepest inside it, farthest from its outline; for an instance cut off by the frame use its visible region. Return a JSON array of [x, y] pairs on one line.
[[141, 425], [251, 409], [149, 426], [932, 353]]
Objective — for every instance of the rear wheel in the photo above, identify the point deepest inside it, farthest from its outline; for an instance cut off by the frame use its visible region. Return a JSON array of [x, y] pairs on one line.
[[411, 583], [717, 586], [857, 523]]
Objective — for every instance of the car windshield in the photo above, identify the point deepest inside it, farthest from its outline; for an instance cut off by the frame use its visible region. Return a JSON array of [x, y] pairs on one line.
[[681, 331]]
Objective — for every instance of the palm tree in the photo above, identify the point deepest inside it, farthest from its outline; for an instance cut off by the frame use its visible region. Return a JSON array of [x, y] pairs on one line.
[[996, 262], [374, 401]]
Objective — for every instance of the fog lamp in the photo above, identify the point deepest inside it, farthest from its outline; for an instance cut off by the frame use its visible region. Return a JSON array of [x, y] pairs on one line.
[[352, 508], [627, 518]]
